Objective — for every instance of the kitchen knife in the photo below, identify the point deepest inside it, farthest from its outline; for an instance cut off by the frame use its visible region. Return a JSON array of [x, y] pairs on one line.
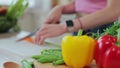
[[29, 35]]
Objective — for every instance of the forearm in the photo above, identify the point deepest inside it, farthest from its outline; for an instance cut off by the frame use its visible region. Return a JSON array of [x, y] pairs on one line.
[[66, 9], [69, 8], [101, 17], [104, 16]]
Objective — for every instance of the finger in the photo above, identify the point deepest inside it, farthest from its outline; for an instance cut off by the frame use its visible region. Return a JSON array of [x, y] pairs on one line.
[[38, 35], [55, 20], [49, 20], [36, 38], [43, 38], [40, 31]]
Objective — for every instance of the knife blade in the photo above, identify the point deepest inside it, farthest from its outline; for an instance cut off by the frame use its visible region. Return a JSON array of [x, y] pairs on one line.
[[29, 35]]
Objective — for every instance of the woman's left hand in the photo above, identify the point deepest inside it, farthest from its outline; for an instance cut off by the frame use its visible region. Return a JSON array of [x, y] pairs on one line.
[[49, 30]]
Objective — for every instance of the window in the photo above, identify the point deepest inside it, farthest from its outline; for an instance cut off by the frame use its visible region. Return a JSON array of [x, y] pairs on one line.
[[8, 2]]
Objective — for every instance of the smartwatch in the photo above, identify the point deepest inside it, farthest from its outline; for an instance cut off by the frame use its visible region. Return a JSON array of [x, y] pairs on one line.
[[70, 25]]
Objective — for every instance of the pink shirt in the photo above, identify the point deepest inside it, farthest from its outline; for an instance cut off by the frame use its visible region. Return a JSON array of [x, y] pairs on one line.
[[89, 6]]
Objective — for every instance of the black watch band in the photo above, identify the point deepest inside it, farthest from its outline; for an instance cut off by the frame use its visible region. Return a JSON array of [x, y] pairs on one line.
[[70, 25]]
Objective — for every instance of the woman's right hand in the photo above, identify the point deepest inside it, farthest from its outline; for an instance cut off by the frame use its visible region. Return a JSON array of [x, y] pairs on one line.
[[54, 16], [48, 31]]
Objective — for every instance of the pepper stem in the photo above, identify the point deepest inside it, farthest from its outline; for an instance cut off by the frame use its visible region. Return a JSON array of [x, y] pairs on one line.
[[118, 36], [80, 32]]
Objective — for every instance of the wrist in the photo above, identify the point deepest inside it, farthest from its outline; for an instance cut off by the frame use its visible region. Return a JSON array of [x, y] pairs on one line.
[[64, 26], [72, 25], [77, 24]]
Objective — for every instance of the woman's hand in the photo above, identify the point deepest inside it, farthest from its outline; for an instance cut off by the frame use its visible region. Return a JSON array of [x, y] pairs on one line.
[[54, 16], [49, 30]]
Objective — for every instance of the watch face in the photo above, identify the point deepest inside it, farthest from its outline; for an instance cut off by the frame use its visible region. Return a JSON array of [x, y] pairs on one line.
[[70, 25]]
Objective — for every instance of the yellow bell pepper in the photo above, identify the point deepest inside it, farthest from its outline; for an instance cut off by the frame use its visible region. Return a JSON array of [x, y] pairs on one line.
[[78, 51]]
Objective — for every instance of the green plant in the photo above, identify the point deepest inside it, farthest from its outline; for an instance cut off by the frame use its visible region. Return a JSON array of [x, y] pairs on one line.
[[9, 19]]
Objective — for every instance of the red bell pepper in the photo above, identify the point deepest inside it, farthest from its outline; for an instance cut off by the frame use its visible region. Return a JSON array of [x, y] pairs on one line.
[[112, 58], [103, 44], [112, 55]]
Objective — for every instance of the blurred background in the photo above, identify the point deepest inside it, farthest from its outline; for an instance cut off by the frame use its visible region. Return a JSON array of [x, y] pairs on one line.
[[36, 12]]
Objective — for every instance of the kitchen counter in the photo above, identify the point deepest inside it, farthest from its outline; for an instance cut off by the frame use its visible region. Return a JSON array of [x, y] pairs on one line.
[[13, 51], [10, 50]]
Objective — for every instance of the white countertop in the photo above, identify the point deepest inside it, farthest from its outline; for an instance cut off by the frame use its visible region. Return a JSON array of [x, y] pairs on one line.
[[10, 50]]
